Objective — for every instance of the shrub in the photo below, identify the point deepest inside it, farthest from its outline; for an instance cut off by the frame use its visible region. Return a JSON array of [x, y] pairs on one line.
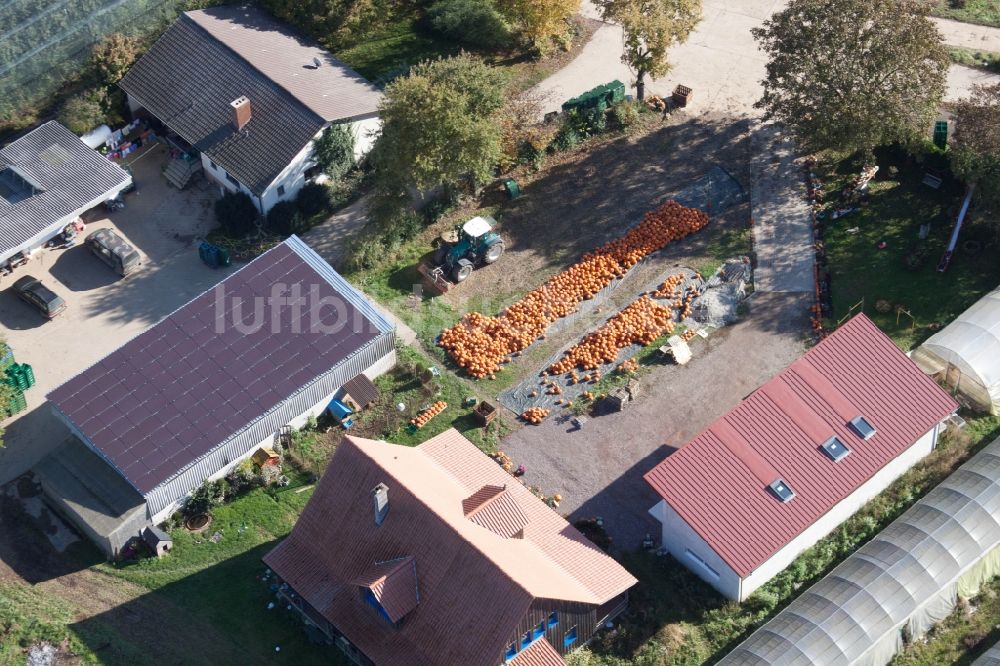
[[205, 497], [625, 116], [335, 150], [472, 22], [236, 214], [82, 113], [284, 219], [112, 57], [244, 477], [314, 199]]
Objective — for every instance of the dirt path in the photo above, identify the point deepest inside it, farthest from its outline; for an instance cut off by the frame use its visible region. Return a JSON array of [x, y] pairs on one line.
[[598, 470], [969, 35]]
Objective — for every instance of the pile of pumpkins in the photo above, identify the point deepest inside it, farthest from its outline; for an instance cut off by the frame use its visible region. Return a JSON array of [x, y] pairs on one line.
[[641, 322], [629, 367], [423, 417], [669, 287], [481, 344], [534, 414]]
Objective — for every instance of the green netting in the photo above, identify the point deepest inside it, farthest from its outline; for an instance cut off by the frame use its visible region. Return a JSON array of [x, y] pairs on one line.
[[600, 97]]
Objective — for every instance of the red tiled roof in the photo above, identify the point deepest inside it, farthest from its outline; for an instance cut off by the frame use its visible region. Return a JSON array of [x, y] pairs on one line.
[[539, 653], [394, 585], [718, 481], [493, 507], [474, 585]]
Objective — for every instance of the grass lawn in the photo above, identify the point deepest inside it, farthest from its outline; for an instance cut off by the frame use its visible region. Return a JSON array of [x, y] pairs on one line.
[[675, 618], [964, 635], [29, 616], [984, 12], [984, 60], [900, 204], [390, 51]]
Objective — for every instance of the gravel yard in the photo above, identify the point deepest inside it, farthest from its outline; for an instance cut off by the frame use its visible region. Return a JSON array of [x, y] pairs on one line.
[[598, 469]]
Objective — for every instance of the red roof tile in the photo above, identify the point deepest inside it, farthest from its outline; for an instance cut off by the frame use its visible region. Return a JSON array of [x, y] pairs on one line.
[[718, 481], [394, 585], [539, 653], [493, 507], [474, 585]]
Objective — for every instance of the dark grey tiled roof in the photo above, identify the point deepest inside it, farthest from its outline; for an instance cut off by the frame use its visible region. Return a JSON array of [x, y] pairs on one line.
[[188, 79], [184, 386], [69, 175]]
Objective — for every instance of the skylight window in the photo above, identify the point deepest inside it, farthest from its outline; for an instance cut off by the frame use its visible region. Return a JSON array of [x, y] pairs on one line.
[[860, 425], [782, 490], [835, 449]]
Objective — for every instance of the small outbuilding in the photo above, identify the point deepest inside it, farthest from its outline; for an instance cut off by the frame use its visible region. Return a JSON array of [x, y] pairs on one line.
[[157, 540], [360, 393], [965, 354], [265, 456]]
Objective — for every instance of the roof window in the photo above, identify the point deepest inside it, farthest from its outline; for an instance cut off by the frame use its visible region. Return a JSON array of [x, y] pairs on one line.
[[835, 449], [782, 490], [860, 425]]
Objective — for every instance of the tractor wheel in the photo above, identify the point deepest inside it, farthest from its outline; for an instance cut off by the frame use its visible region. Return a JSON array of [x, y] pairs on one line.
[[493, 252], [462, 270], [440, 254]]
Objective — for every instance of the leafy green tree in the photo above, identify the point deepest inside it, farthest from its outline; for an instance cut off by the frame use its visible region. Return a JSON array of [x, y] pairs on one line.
[[284, 219], [650, 28], [313, 199], [473, 22], [236, 213], [975, 147], [112, 57], [82, 113], [439, 126], [852, 74], [206, 497], [334, 150]]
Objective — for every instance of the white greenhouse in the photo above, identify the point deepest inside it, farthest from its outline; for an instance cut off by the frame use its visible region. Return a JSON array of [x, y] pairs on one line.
[[896, 586], [965, 354]]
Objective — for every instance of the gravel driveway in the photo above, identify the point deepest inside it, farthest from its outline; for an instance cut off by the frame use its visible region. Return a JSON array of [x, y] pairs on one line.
[[598, 470]]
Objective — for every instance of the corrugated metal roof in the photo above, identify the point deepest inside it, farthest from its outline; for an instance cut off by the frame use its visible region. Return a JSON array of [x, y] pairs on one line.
[[870, 595], [718, 482], [69, 174], [362, 390], [187, 384], [333, 91], [539, 653], [474, 585], [188, 79]]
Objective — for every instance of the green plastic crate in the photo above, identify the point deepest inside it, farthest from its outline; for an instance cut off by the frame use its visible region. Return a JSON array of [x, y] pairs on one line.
[[29, 374], [17, 404], [600, 97]]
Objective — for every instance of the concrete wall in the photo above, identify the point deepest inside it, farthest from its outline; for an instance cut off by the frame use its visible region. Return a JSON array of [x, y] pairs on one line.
[[365, 133], [679, 537]]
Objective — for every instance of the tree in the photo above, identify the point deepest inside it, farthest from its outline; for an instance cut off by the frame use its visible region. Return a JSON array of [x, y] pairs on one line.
[[334, 150], [852, 74], [438, 126], [975, 146], [473, 22], [236, 213], [83, 112], [650, 28], [538, 22], [113, 56]]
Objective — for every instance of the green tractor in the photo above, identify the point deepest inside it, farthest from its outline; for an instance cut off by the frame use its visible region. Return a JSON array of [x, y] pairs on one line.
[[460, 251]]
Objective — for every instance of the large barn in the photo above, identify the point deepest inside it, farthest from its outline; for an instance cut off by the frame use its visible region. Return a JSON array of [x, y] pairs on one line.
[[796, 457], [427, 555], [194, 394]]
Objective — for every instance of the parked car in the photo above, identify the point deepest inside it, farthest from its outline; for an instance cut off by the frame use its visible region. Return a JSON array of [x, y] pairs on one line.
[[112, 249], [32, 291]]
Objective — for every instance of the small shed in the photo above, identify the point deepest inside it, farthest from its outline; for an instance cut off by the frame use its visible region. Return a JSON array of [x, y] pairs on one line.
[[158, 540], [360, 393], [264, 456]]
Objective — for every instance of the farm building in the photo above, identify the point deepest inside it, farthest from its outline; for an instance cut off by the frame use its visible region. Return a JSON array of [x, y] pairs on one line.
[[990, 658], [48, 178], [965, 354], [248, 95], [903, 581], [210, 384], [796, 458], [435, 555]]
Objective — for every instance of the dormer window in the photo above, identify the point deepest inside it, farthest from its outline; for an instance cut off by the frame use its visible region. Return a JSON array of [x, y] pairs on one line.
[[782, 490], [835, 449], [862, 427]]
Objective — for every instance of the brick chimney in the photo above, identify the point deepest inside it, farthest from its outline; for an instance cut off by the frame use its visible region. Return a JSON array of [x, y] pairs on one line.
[[380, 500], [241, 112]]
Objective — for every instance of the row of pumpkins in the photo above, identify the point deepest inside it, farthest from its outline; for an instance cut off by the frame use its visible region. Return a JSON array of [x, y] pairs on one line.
[[481, 344], [423, 417], [534, 414]]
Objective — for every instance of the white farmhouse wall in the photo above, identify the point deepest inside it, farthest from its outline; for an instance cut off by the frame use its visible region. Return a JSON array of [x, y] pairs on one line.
[[218, 175], [365, 132], [678, 536], [291, 178]]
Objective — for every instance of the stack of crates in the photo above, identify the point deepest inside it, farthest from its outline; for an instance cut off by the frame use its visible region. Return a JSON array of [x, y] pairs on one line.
[[19, 377], [213, 255], [601, 98]]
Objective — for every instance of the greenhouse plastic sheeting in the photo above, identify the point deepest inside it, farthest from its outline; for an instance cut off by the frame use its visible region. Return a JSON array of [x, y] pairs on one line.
[[907, 574], [966, 353]]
